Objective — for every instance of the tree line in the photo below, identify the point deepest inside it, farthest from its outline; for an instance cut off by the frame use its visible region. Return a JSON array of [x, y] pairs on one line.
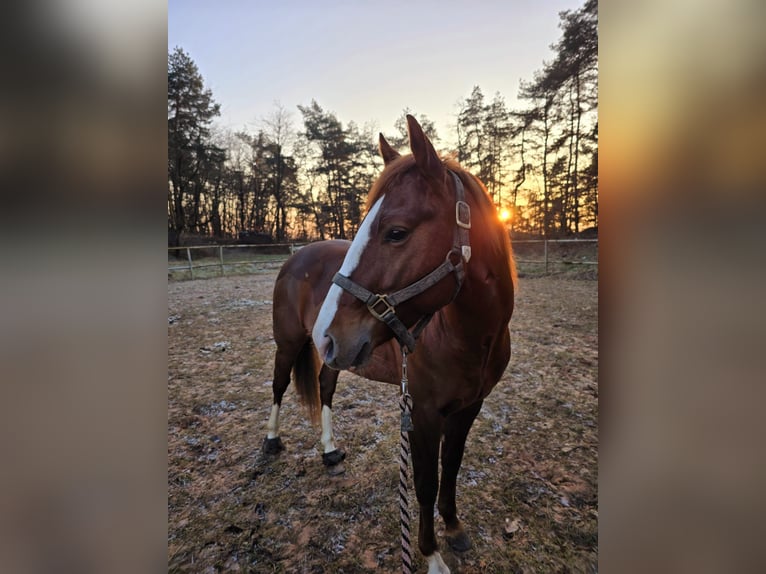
[[286, 182]]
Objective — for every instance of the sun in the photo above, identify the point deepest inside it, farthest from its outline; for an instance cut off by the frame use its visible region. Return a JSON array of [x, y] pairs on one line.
[[504, 215]]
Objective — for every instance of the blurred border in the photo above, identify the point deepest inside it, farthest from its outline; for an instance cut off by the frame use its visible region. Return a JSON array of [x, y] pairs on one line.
[[82, 233], [682, 329], [83, 287]]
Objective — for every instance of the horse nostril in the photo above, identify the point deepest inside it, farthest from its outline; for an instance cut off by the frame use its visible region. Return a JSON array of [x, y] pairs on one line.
[[329, 353]]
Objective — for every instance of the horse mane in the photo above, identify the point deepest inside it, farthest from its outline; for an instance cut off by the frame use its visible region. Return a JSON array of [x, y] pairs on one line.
[[392, 171], [497, 235]]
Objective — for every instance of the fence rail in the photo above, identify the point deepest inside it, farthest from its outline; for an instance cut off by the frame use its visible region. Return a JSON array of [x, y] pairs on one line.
[[222, 264], [279, 252], [547, 261]]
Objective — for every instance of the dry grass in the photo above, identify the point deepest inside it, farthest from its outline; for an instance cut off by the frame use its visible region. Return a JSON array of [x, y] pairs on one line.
[[531, 457]]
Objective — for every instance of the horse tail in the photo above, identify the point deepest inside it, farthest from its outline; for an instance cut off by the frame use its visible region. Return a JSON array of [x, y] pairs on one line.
[[306, 371]]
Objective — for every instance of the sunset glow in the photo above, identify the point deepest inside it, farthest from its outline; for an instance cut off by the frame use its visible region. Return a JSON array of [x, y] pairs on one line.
[[504, 215]]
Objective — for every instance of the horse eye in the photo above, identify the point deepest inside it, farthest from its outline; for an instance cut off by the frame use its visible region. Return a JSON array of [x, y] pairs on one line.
[[396, 234]]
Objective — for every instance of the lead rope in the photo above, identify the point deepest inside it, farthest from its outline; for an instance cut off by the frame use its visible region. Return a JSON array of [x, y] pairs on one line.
[[405, 404]]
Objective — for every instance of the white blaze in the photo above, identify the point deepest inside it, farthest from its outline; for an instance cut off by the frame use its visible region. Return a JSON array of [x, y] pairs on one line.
[[330, 305]]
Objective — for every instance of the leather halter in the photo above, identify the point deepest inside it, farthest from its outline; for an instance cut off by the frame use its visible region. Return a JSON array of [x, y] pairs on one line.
[[383, 307]]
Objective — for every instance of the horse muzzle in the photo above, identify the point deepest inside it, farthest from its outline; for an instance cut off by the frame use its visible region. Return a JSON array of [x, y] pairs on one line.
[[344, 352]]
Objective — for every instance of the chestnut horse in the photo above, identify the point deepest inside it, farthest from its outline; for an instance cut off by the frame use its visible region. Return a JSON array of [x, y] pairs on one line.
[[432, 242]]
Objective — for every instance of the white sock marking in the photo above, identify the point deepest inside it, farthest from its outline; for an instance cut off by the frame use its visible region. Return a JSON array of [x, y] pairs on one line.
[[273, 427], [328, 440], [436, 565], [330, 305]]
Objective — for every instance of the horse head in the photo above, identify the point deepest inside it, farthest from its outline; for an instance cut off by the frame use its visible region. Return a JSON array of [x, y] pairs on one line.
[[399, 267]]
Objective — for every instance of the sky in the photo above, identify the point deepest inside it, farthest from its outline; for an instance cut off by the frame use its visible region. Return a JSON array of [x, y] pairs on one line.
[[363, 60]]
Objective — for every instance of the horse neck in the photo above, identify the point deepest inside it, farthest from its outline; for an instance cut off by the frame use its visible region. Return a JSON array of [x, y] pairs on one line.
[[464, 335], [485, 301]]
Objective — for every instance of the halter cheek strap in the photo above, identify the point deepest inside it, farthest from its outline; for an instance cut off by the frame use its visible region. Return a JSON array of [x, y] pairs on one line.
[[383, 307]]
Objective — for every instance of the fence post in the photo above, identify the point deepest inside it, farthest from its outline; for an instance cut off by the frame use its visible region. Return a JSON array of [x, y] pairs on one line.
[[546, 256], [220, 256], [191, 267]]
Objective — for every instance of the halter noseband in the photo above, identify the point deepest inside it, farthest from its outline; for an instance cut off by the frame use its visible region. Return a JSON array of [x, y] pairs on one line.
[[383, 307]]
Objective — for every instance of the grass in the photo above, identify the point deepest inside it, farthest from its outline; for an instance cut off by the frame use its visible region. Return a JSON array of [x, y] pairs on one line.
[[532, 456]]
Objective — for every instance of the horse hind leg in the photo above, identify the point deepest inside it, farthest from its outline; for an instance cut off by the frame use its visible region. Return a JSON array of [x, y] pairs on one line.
[[283, 365], [300, 358], [456, 431], [332, 456]]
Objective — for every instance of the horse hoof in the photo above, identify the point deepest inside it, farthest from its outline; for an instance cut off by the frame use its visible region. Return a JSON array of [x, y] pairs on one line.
[[272, 446], [333, 460], [460, 542], [336, 469], [334, 457]]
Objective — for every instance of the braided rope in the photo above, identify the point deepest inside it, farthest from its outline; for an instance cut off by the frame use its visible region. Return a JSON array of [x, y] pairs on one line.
[[405, 405]]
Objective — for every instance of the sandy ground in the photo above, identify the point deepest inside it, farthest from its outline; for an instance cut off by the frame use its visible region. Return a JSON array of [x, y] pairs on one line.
[[527, 490]]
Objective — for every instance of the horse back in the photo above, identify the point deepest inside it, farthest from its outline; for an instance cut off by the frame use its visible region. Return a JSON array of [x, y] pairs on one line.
[[302, 285]]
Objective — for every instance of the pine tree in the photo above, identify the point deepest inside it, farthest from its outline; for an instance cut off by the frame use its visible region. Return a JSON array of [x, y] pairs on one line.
[[192, 158]]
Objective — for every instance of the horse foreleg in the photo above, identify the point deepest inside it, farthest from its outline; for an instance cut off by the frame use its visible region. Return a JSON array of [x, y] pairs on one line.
[[332, 456], [424, 447], [456, 431]]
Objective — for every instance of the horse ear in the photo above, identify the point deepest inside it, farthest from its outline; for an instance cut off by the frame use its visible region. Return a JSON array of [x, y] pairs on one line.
[[388, 153], [426, 157]]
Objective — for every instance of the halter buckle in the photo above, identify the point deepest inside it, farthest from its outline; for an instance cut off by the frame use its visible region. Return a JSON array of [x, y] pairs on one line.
[[387, 307], [462, 208]]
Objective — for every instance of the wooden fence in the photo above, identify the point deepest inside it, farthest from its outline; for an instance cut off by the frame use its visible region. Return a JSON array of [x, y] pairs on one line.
[[271, 253], [549, 259], [265, 256]]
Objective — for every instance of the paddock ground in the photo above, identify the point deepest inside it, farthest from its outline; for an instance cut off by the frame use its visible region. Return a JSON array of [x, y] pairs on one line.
[[527, 490]]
